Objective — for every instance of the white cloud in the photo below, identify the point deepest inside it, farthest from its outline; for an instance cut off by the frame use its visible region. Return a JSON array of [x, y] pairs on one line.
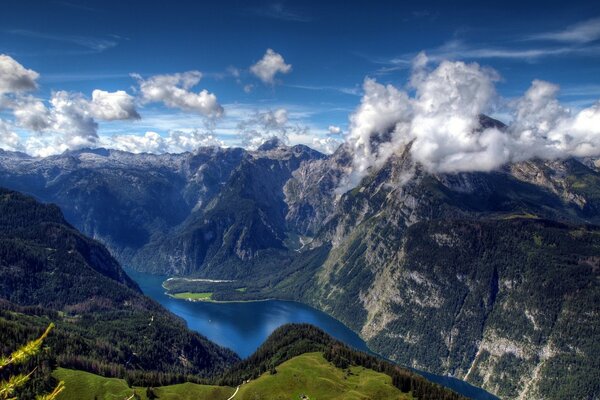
[[9, 140], [326, 145], [382, 108], [269, 66], [174, 91], [459, 50], [446, 107], [334, 130], [180, 141], [71, 116], [543, 128], [70, 120], [582, 32], [14, 77], [442, 123], [265, 125], [31, 113], [111, 106]]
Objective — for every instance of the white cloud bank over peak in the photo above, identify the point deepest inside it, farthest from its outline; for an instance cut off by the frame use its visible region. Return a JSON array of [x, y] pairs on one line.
[[174, 92], [264, 125], [442, 121], [327, 145], [269, 66]]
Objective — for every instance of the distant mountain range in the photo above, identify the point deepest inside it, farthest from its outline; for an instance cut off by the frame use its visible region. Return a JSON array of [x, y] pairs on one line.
[[489, 277]]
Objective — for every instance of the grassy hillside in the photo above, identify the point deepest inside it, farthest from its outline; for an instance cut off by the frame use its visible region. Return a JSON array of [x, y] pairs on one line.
[[309, 374]]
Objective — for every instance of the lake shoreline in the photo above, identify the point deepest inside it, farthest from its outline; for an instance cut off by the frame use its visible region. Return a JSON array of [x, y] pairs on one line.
[[243, 325]]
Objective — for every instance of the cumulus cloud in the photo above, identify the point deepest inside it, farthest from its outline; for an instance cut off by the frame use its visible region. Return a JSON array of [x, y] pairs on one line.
[[9, 140], [265, 125], [269, 66], [110, 106], [70, 121], [152, 142], [442, 123], [15, 78], [174, 91], [31, 113], [382, 108], [71, 116]]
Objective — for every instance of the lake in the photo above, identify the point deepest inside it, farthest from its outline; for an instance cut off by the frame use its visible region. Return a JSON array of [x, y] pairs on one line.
[[244, 326]]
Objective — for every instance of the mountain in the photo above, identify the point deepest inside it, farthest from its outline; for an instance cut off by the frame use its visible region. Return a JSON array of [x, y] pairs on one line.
[[489, 277], [175, 214], [49, 272], [246, 218]]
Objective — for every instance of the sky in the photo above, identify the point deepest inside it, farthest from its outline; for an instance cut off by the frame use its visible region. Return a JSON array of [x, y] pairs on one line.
[[170, 76]]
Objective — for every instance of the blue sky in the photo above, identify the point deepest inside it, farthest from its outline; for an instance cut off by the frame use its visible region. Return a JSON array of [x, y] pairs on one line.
[[330, 47]]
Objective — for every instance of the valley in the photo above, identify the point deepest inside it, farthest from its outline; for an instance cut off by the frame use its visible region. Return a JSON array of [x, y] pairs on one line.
[[427, 272], [106, 326], [308, 200]]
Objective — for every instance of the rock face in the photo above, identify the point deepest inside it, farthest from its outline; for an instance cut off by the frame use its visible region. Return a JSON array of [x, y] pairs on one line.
[[489, 277], [472, 275]]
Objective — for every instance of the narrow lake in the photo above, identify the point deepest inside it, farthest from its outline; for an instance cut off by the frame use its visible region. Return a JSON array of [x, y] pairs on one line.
[[244, 326]]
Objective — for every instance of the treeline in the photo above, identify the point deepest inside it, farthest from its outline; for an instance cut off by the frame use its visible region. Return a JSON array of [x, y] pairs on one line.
[[406, 381]]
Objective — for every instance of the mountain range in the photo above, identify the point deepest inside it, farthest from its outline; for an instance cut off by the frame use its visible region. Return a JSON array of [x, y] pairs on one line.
[[489, 277]]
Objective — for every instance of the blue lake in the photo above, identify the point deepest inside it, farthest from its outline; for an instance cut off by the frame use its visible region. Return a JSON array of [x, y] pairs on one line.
[[244, 326]]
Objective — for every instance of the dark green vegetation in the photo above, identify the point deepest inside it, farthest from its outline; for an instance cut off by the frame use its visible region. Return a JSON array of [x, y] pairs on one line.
[[292, 340], [50, 272], [308, 374], [296, 359]]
